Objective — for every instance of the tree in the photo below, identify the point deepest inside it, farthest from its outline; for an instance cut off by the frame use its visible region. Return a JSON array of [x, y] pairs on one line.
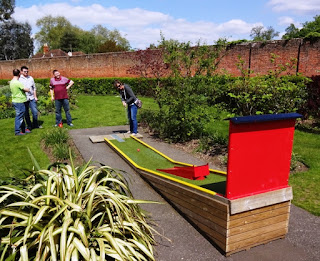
[[59, 33], [87, 42], [69, 41], [110, 46], [52, 30], [15, 40], [258, 33], [105, 38], [308, 30], [291, 32], [6, 9]]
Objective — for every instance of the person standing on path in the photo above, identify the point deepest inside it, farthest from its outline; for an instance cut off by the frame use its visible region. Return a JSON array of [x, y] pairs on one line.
[[128, 98], [59, 87], [19, 97], [28, 82]]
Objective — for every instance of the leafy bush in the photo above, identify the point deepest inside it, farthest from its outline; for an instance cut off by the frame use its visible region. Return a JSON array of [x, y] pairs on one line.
[[266, 94], [270, 93], [83, 213], [104, 86], [55, 136], [61, 151], [6, 109], [312, 107], [57, 139], [182, 112]]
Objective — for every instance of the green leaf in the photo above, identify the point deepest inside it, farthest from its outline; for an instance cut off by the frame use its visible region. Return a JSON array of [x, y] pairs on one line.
[[35, 163]]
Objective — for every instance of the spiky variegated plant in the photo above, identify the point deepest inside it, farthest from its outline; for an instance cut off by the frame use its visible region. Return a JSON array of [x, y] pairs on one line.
[[73, 213]]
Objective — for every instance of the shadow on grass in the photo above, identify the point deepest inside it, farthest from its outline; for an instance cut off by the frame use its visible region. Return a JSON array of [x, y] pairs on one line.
[[308, 129]]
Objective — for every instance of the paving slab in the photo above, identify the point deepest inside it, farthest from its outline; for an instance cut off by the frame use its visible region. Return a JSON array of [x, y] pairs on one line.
[[100, 138], [180, 240]]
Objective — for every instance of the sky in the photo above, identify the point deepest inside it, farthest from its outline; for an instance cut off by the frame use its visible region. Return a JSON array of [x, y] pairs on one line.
[[142, 21]]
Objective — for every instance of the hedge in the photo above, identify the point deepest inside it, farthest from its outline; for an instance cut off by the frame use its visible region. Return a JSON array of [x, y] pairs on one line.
[[263, 94]]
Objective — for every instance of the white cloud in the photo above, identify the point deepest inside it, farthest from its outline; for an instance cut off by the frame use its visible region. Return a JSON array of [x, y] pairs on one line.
[[141, 27], [296, 6], [286, 21]]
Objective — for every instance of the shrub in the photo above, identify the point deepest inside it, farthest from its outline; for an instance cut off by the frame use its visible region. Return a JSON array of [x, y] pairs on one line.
[[182, 112], [264, 94], [270, 93], [83, 213], [6, 109], [61, 151], [57, 139], [55, 136]]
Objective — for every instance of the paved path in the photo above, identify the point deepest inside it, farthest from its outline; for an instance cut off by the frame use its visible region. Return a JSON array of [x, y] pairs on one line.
[[301, 244]]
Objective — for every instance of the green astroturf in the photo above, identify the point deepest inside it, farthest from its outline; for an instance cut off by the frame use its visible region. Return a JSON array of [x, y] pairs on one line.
[[149, 159]]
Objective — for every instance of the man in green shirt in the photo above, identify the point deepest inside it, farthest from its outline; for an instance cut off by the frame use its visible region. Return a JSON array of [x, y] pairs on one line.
[[18, 92]]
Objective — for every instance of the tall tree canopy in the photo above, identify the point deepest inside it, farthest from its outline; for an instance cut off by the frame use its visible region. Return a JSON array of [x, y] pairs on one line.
[[59, 33], [15, 40], [308, 30], [258, 33], [52, 30], [6, 9]]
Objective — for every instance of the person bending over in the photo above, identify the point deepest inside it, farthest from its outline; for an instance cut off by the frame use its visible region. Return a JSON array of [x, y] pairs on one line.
[[128, 98]]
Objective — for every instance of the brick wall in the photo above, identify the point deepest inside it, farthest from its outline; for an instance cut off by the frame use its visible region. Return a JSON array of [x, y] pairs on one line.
[[256, 56]]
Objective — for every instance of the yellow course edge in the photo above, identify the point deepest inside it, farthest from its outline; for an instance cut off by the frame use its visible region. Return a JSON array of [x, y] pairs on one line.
[[174, 161], [156, 173]]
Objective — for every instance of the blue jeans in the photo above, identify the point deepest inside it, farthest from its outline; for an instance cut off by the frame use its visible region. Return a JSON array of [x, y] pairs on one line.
[[65, 104], [32, 104], [19, 124], [132, 116]]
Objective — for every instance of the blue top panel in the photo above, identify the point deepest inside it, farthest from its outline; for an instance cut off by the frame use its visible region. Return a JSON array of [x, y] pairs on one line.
[[265, 117]]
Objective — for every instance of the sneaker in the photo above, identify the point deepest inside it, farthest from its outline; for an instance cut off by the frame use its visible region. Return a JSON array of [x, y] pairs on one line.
[[56, 125], [71, 125], [40, 127], [20, 134], [134, 134], [27, 131], [129, 132]]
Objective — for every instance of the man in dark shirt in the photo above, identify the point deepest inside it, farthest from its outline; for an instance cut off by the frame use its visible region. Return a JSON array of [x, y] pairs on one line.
[[59, 86], [128, 98]]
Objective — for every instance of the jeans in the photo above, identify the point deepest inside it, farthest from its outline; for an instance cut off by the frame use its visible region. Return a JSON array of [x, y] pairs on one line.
[[132, 116], [32, 104], [65, 104], [19, 124]]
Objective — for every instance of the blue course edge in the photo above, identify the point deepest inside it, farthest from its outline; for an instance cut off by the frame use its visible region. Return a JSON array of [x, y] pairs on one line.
[[265, 117]]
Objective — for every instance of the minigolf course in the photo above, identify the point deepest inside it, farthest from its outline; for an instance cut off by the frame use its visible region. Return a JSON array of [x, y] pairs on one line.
[[248, 205], [146, 158]]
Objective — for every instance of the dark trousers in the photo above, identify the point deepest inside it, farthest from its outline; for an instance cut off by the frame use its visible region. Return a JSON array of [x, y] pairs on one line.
[[65, 104], [32, 104]]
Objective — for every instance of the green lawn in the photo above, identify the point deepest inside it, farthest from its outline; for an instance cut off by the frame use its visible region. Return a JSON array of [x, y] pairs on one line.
[[306, 186], [91, 111], [96, 111]]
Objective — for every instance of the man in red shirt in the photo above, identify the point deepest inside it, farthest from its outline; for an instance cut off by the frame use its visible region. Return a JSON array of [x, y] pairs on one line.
[[59, 86]]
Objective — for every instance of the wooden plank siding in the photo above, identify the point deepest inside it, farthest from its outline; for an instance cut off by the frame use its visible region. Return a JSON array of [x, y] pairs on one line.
[[231, 233]]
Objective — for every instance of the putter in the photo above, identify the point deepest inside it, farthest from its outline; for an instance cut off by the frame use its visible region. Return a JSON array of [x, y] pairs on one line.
[[126, 113]]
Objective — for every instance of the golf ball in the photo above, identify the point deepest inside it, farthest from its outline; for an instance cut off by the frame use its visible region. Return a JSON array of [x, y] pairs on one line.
[[138, 150]]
